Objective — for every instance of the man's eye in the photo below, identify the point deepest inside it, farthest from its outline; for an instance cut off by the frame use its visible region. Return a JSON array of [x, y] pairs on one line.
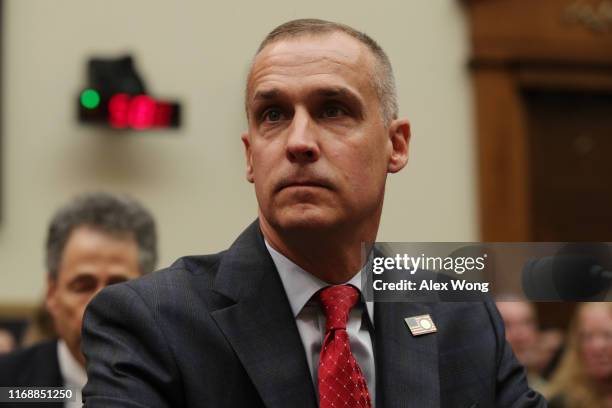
[[333, 112], [82, 284], [272, 115]]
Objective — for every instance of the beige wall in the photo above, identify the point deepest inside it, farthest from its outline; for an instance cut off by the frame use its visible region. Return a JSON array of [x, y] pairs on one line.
[[192, 179]]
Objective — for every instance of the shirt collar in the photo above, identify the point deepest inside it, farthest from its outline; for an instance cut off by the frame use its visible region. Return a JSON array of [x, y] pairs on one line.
[[301, 285], [73, 373]]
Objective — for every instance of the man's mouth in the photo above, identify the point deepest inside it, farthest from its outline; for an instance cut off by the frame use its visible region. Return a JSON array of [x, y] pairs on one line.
[[303, 183]]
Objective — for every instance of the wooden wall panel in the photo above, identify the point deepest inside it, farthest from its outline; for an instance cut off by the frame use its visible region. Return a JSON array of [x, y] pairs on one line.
[[504, 170]]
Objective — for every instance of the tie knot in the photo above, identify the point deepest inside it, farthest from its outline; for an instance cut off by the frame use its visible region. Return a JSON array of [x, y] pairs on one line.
[[337, 301]]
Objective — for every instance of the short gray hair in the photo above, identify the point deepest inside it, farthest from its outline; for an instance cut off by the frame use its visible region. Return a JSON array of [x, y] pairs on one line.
[[384, 82], [113, 214]]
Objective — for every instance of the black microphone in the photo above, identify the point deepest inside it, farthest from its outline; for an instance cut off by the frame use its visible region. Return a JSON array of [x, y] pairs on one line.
[[566, 277]]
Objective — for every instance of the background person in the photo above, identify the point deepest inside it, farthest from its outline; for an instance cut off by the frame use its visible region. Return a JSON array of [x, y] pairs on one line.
[[522, 332], [584, 376], [94, 241]]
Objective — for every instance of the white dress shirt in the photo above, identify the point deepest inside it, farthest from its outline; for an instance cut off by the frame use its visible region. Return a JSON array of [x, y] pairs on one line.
[[300, 286], [73, 373]]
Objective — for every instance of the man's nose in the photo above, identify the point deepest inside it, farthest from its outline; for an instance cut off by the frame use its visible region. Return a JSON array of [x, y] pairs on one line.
[[302, 140]]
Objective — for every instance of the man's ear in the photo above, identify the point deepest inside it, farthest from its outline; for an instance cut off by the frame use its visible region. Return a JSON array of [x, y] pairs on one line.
[[399, 135], [50, 298], [249, 160]]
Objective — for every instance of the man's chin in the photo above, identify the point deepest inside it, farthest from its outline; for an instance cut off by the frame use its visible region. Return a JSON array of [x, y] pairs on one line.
[[305, 218]]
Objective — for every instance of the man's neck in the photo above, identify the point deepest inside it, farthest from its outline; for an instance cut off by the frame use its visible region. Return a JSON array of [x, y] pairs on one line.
[[332, 256]]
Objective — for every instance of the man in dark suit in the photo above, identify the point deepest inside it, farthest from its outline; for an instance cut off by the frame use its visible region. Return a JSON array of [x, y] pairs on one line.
[[94, 241], [278, 320]]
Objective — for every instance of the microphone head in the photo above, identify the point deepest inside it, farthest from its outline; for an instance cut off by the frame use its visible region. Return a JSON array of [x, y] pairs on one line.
[[577, 273], [576, 278], [538, 284]]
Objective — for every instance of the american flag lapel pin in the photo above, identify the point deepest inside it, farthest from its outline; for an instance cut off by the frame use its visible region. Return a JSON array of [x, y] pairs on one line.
[[421, 324]]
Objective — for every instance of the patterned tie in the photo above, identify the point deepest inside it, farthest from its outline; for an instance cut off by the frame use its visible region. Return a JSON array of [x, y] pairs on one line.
[[341, 383]]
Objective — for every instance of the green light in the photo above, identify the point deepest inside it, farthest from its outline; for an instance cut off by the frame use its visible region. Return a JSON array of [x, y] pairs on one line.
[[90, 99]]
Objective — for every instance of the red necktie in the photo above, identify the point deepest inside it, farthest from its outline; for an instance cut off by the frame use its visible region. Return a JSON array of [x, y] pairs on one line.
[[341, 383]]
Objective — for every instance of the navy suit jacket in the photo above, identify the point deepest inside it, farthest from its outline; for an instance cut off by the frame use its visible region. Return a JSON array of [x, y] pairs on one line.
[[35, 366], [218, 331]]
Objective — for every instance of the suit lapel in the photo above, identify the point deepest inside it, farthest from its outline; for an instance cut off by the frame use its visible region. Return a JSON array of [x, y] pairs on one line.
[[260, 326], [406, 365]]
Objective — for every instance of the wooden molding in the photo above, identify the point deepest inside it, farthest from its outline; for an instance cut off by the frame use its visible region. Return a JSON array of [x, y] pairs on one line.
[[18, 311], [556, 45]]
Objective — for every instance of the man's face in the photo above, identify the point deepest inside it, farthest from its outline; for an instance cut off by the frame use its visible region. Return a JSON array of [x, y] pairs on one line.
[[317, 147], [595, 337], [521, 329], [91, 260]]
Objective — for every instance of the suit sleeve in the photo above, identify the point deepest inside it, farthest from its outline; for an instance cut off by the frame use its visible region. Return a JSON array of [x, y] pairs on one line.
[[512, 389], [129, 362]]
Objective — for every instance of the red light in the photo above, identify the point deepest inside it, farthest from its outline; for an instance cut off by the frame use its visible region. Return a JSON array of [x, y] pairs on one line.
[[118, 108], [142, 112], [139, 112]]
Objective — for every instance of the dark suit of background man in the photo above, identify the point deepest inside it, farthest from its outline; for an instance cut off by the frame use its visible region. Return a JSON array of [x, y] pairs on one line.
[[259, 325], [94, 241]]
